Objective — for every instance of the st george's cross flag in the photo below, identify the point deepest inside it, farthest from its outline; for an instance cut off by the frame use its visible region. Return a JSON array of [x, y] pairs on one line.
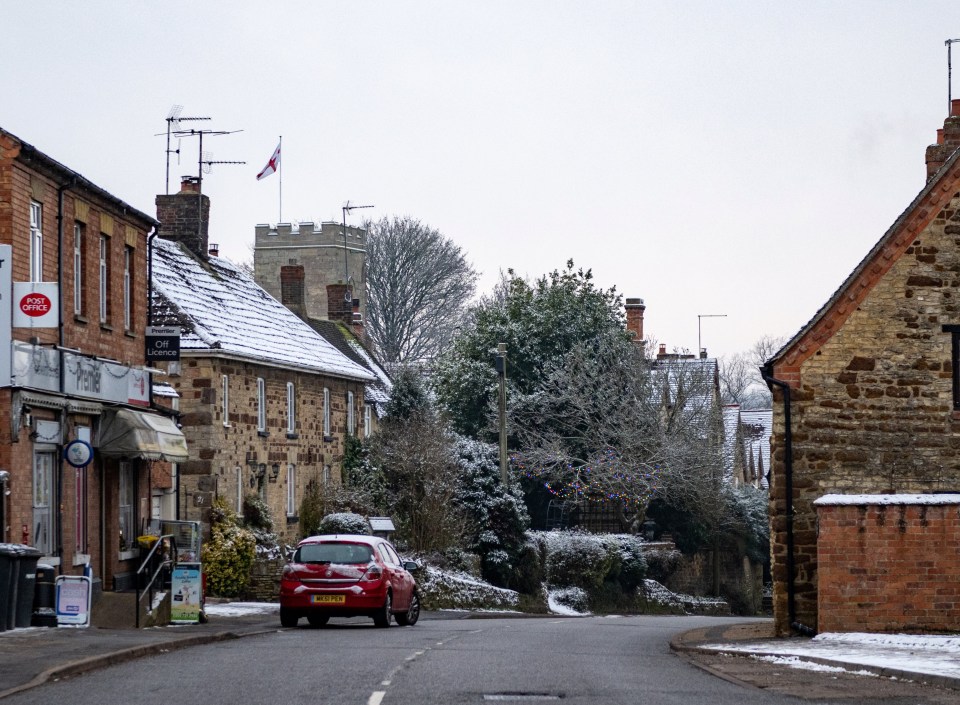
[[272, 165]]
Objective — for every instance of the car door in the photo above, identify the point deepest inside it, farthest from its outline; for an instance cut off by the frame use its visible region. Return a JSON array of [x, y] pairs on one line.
[[400, 580]]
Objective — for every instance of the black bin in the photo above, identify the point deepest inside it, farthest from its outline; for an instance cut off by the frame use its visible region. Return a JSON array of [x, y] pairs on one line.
[[44, 597], [26, 581], [9, 555]]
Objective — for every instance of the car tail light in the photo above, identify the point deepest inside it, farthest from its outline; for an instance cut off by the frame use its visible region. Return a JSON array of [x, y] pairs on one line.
[[290, 573], [373, 573]]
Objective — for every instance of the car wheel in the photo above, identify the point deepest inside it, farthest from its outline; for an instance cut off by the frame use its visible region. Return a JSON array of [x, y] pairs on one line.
[[410, 617], [317, 620], [382, 617], [288, 618]]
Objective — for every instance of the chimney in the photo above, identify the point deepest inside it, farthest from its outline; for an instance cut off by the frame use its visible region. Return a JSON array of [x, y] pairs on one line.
[[635, 309], [340, 303], [357, 321], [703, 353], [185, 217], [948, 139], [292, 289], [662, 352]]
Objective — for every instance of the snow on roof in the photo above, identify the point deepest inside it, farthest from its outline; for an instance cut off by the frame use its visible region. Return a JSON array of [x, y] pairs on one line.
[[164, 389], [376, 393], [865, 499], [222, 310], [757, 428]]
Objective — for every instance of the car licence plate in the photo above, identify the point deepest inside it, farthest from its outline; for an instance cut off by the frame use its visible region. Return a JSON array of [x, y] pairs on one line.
[[328, 599]]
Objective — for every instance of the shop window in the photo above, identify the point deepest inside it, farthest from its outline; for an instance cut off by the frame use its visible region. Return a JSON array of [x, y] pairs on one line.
[[43, 502], [125, 504]]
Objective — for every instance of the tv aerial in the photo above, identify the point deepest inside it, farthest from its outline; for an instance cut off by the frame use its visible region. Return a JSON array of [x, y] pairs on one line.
[[174, 118], [204, 161]]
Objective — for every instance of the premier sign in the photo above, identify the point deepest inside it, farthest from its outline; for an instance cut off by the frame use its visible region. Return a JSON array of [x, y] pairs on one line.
[[163, 343]]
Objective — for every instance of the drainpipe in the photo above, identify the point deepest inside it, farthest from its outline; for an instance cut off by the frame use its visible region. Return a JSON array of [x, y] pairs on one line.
[[767, 373], [63, 417]]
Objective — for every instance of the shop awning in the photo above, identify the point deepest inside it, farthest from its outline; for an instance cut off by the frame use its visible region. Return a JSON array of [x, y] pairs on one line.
[[126, 433]]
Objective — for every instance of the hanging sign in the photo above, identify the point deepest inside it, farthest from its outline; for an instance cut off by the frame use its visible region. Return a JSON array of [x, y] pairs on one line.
[[35, 305], [163, 343], [78, 453]]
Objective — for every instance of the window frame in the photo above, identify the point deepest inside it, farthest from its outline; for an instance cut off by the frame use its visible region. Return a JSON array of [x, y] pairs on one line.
[[367, 421], [291, 490], [127, 485], [326, 412], [127, 288], [44, 501], [36, 241], [104, 283], [291, 409], [351, 415], [78, 238], [261, 405], [225, 399]]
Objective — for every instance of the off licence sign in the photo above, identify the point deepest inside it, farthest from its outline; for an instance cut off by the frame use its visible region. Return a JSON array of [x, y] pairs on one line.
[[163, 343]]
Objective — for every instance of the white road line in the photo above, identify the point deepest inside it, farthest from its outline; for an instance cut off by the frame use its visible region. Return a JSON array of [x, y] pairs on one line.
[[377, 697], [384, 683]]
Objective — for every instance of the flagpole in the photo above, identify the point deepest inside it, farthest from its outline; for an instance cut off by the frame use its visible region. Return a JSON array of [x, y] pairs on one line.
[[280, 170]]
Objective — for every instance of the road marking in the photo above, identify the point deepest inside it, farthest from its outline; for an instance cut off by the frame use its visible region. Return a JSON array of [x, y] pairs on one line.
[[384, 683], [377, 697]]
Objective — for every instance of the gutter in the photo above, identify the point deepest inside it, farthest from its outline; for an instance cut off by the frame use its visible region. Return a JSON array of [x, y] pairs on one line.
[[767, 373]]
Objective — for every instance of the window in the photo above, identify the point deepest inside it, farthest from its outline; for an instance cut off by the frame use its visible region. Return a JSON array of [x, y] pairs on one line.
[[128, 288], [36, 242], [326, 412], [240, 491], [43, 517], [326, 474], [78, 269], [291, 409], [351, 416], [104, 278], [81, 510], [291, 490], [125, 503], [954, 331], [225, 399], [367, 420], [261, 405]]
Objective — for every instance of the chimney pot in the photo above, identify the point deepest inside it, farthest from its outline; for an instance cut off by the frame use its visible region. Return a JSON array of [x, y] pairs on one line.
[[635, 309], [662, 350], [214, 249], [703, 353], [955, 107]]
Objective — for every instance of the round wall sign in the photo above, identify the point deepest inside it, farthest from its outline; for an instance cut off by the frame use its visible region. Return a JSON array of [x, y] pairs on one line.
[[35, 304], [78, 453]]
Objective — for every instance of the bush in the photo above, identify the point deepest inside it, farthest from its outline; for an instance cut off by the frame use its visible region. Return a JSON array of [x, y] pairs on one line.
[[229, 554], [578, 561], [632, 563], [344, 523]]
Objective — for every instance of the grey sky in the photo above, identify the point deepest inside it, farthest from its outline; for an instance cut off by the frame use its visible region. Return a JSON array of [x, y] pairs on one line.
[[730, 158]]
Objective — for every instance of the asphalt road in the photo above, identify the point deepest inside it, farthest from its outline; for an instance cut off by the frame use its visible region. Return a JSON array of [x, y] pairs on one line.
[[599, 660]]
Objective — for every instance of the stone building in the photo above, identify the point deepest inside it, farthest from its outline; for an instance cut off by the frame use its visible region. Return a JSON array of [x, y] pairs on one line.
[[867, 394], [266, 402], [72, 370]]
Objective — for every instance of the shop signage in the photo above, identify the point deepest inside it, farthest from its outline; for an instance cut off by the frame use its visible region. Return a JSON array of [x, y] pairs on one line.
[[6, 311], [35, 305], [107, 381], [73, 600], [36, 367], [78, 453], [187, 592], [163, 343]]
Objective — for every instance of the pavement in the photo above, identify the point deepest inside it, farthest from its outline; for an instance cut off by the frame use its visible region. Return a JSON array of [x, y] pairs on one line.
[[33, 656]]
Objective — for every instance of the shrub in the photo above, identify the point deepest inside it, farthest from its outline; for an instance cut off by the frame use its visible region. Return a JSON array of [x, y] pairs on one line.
[[573, 598], [632, 563], [229, 554], [344, 523], [578, 561]]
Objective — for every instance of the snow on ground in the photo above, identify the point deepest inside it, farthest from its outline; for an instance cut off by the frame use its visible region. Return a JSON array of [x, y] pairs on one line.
[[927, 654], [239, 609]]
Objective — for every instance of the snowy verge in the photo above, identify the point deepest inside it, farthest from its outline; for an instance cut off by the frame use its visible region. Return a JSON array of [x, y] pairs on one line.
[[455, 590]]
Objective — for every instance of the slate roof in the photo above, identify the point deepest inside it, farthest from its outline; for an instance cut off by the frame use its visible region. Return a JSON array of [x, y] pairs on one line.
[[220, 309], [376, 392]]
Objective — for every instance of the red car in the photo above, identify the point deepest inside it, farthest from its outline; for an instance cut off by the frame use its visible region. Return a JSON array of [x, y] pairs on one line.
[[348, 576]]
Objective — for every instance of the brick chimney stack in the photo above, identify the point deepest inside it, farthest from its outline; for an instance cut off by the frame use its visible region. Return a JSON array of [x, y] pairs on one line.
[[292, 290], [340, 303], [948, 140], [635, 309], [185, 217]]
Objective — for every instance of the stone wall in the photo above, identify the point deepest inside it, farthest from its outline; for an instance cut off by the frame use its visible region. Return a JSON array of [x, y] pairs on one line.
[[873, 403], [889, 563], [741, 580], [264, 585]]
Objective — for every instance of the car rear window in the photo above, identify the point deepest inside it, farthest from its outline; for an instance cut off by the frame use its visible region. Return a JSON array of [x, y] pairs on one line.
[[334, 552]]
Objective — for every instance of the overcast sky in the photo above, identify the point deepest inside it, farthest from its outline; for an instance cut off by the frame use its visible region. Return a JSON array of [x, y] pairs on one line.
[[734, 158]]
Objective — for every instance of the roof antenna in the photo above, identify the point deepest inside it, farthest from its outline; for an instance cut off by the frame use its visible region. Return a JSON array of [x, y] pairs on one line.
[[949, 45], [173, 125], [204, 162]]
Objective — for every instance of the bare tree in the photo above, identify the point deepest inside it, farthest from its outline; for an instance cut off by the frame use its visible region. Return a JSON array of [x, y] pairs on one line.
[[418, 286], [740, 380]]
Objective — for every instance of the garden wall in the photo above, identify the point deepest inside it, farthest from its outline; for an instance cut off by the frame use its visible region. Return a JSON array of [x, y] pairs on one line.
[[888, 563]]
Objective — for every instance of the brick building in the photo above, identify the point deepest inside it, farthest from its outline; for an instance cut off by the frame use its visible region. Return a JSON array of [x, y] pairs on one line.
[[867, 394], [266, 402], [77, 381]]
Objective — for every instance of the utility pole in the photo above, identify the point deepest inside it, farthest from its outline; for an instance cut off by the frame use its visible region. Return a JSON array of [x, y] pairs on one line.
[[500, 362]]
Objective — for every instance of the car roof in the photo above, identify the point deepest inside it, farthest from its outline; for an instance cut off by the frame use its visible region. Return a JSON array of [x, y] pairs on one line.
[[343, 538]]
